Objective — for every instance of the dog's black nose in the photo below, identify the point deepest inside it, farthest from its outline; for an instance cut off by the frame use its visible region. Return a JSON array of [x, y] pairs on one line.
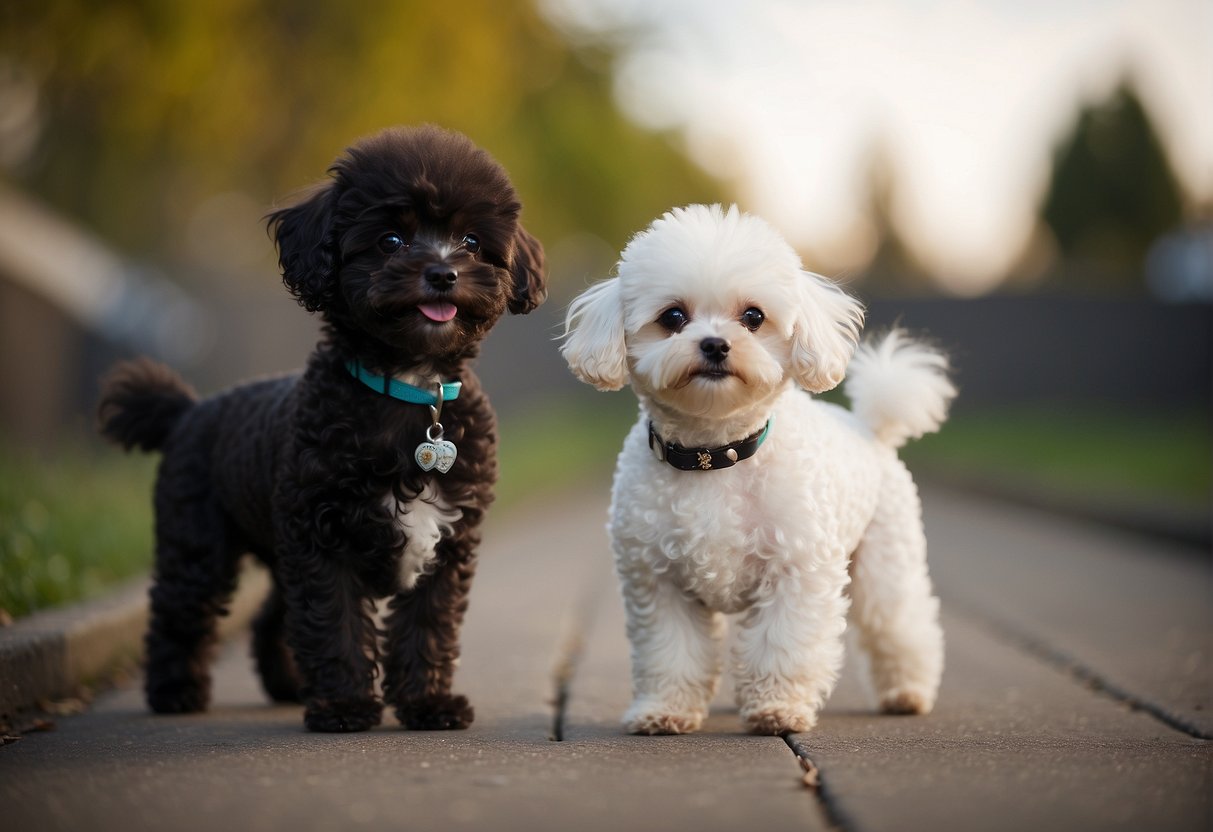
[[714, 349], [440, 277]]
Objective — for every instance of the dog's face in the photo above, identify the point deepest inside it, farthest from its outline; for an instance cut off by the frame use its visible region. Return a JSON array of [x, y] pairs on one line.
[[414, 243], [711, 313]]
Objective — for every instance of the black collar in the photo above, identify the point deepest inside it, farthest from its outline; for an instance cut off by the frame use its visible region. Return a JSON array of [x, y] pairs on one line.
[[706, 459]]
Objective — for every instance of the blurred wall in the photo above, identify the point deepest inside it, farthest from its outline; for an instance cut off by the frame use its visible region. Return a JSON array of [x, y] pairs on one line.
[[1006, 350], [1049, 348], [39, 347]]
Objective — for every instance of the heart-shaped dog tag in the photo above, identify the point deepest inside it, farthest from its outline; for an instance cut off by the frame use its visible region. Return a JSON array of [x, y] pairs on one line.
[[446, 455], [439, 454], [427, 455]]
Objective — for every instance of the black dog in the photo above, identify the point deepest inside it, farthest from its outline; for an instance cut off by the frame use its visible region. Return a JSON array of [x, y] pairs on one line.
[[342, 479]]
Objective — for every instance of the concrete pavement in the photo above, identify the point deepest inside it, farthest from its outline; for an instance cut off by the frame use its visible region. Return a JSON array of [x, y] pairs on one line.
[[1077, 687]]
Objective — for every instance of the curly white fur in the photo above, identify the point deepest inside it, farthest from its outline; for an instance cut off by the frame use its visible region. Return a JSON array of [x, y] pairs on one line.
[[900, 388], [775, 539], [424, 520]]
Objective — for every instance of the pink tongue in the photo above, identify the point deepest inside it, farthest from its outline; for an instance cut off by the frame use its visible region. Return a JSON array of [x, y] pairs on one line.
[[440, 312]]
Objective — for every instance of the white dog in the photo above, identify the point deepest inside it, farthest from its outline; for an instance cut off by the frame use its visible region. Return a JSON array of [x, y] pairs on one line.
[[737, 492]]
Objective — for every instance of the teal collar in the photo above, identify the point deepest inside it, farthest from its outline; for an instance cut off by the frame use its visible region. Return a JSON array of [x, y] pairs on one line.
[[398, 389]]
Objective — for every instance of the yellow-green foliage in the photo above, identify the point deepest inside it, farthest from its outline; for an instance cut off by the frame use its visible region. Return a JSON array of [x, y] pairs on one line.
[[71, 524], [150, 108]]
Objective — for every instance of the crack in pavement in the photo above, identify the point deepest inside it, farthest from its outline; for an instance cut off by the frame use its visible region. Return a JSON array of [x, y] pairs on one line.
[[835, 819], [567, 657], [569, 652], [1090, 678]]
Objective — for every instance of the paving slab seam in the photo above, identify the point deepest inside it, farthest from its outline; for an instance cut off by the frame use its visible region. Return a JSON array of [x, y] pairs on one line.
[[569, 652], [562, 680], [832, 814], [1090, 678]]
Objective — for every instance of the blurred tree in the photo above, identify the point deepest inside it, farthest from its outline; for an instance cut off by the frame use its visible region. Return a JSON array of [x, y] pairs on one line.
[[148, 108], [1112, 193]]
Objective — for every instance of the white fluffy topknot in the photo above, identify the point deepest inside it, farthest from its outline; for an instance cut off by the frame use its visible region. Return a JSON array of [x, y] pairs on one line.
[[899, 388]]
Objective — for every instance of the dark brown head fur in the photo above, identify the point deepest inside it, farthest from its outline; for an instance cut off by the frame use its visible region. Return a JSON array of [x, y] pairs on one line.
[[434, 190]]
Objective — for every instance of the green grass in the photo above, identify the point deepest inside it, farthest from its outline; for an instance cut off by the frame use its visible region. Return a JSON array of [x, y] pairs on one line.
[[72, 523], [1098, 453], [560, 444], [1095, 453]]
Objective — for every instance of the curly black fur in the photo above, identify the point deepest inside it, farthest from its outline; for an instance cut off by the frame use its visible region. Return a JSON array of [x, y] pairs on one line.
[[142, 402], [305, 471]]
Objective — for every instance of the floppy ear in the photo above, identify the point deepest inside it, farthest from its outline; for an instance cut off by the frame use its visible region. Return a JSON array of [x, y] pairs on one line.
[[529, 271], [307, 249], [824, 334], [593, 337]]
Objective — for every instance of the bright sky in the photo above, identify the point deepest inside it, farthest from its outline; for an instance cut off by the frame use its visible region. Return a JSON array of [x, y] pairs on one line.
[[789, 99]]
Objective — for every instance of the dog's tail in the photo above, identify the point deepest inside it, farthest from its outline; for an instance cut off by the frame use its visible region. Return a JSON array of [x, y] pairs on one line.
[[899, 387], [140, 403]]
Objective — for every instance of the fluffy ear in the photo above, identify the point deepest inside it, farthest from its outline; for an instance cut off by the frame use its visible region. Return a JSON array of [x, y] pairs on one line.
[[529, 270], [307, 249], [824, 334], [593, 337]]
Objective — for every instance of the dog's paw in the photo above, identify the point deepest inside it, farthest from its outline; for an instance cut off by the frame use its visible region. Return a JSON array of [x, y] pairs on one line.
[[178, 696], [905, 703], [436, 713], [336, 717], [651, 718], [779, 718]]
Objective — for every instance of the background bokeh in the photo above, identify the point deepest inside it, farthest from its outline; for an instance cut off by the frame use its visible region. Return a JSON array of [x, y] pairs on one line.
[[1031, 183]]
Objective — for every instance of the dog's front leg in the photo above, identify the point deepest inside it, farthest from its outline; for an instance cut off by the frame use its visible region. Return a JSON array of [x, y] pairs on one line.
[[331, 633], [675, 654], [789, 647], [423, 642]]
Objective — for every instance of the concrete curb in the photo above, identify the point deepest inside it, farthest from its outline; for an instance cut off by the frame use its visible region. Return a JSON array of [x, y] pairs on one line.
[[1190, 528], [50, 654]]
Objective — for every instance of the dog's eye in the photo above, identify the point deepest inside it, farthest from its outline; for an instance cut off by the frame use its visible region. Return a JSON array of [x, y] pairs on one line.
[[752, 318], [472, 243], [673, 319], [391, 243]]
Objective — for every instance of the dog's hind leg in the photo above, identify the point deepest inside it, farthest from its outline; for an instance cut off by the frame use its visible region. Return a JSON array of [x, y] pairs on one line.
[[196, 571], [275, 665], [892, 601]]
